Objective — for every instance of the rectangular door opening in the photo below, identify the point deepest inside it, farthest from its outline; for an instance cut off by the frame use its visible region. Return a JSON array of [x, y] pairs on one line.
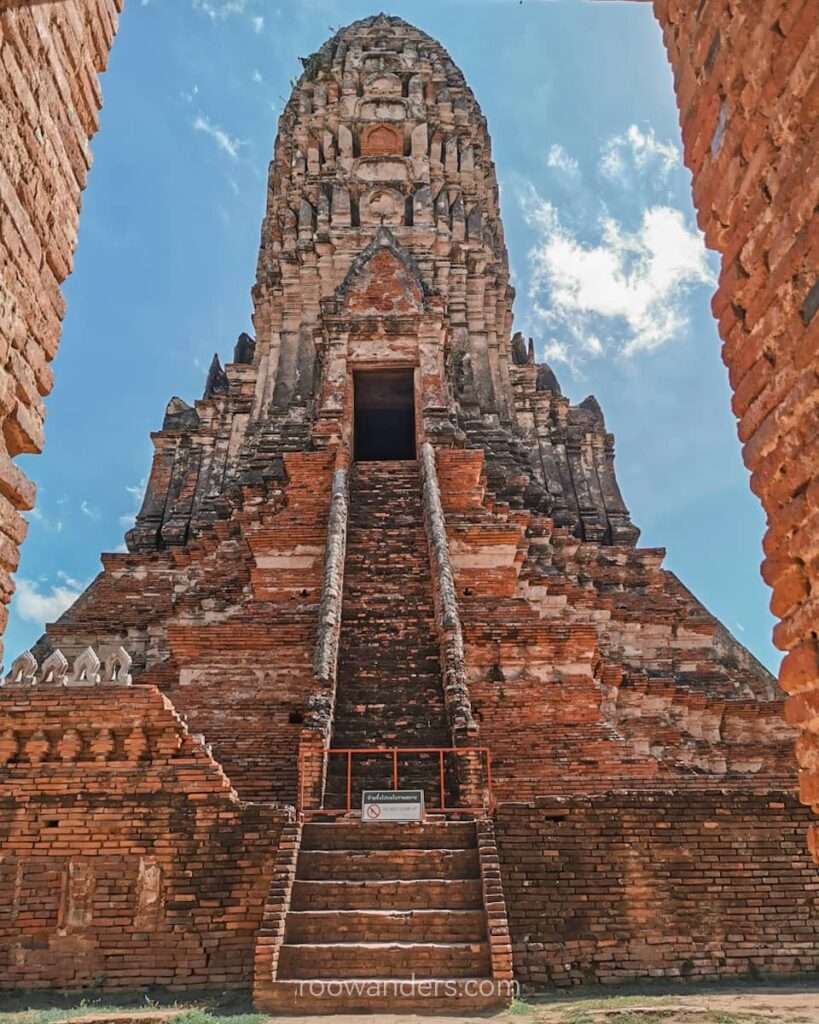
[[384, 412]]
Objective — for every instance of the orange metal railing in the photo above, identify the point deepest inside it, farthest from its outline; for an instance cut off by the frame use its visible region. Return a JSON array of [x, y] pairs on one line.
[[480, 800]]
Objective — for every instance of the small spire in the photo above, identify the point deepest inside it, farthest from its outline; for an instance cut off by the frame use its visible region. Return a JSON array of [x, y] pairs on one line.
[[590, 404], [179, 415], [519, 356], [217, 382], [546, 379], [244, 349]]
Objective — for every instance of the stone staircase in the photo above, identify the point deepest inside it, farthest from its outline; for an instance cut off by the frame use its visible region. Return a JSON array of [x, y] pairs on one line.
[[389, 691], [390, 917]]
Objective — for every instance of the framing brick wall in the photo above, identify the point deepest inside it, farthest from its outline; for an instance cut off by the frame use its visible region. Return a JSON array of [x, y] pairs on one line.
[[50, 57], [629, 885], [746, 77]]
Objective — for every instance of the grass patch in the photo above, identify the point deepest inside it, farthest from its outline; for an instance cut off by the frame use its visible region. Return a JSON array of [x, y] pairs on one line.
[[62, 1008], [520, 1007]]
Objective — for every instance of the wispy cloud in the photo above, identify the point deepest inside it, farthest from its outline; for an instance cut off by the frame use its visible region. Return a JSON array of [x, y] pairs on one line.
[[621, 294], [635, 152], [36, 515], [40, 607], [137, 492], [221, 10], [224, 141], [89, 510], [218, 10], [558, 159]]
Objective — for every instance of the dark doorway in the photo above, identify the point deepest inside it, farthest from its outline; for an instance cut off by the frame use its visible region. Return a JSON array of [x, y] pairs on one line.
[[384, 415]]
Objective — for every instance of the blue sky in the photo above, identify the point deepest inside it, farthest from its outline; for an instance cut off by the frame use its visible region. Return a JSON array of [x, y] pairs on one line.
[[612, 279]]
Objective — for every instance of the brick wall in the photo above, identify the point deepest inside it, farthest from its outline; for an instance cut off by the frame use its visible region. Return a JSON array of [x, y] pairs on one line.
[[663, 885], [590, 667], [226, 626], [747, 83], [50, 57], [127, 859]]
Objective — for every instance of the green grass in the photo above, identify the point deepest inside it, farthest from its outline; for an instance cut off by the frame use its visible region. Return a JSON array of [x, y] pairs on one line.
[[56, 1008], [520, 1007]]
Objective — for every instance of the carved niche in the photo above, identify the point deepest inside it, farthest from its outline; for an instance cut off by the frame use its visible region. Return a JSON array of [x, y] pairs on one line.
[[382, 140], [382, 206]]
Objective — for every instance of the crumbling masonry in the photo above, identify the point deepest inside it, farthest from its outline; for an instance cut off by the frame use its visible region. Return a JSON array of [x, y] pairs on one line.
[[384, 528]]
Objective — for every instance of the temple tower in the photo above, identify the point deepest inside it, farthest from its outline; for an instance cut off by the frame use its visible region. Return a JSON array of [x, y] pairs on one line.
[[384, 550]]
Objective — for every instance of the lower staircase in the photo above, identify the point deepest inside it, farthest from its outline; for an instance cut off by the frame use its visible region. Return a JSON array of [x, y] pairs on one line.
[[389, 917]]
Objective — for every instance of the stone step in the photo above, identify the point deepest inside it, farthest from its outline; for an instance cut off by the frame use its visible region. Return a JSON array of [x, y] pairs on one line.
[[443, 835], [398, 894], [387, 864], [323, 926], [390, 690], [387, 959], [373, 994]]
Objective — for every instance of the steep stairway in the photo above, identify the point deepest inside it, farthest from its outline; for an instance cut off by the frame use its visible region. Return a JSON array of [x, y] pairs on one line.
[[390, 916], [389, 690]]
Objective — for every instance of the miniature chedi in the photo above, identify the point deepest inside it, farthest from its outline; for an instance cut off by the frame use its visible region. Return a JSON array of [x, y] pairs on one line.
[[385, 551]]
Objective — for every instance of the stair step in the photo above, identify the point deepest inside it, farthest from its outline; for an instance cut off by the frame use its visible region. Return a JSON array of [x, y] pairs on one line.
[[390, 686], [397, 894], [444, 835], [372, 994], [390, 959], [387, 864], [357, 926]]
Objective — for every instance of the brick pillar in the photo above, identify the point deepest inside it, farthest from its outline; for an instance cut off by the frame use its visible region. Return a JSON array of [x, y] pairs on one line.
[[472, 778], [312, 769]]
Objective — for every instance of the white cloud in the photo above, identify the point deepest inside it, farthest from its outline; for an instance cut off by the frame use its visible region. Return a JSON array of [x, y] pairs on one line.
[[623, 294], [257, 76], [137, 492], [69, 580], [559, 160], [188, 97], [224, 141], [89, 510], [34, 606], [46, 522], [640, 151], [218, 10]]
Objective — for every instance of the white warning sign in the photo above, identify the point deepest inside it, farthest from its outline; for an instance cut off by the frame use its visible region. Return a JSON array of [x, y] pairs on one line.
[[392, 805]]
